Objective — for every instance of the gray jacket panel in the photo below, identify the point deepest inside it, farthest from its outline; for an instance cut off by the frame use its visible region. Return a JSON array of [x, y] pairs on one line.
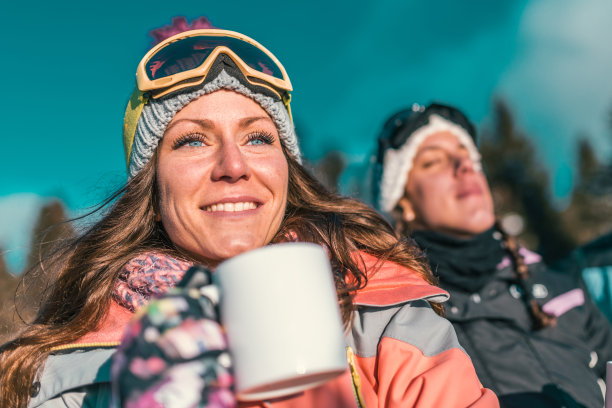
[[79, 378]]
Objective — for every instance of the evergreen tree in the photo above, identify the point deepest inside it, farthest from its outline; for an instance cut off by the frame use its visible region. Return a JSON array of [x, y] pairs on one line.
[[50, 227], [329, 169], [588, 165], [21, 296], [520, 185], [8, 321], [590, 211]]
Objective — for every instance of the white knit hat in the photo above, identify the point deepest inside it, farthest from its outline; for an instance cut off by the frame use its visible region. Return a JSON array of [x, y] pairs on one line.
[[397, 163]]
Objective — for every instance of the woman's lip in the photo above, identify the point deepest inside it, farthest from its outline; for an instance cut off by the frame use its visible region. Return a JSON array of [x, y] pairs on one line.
[[469, 191], [234, 199]]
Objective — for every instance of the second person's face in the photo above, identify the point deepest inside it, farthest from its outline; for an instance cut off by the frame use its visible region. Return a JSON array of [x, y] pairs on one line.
[[222, 176], [445, 192]]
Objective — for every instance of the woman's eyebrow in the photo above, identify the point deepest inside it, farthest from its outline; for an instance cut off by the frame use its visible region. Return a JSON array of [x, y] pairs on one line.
[[460, 146], [249, 120], [427, 148], [203, 123], [207, 124]]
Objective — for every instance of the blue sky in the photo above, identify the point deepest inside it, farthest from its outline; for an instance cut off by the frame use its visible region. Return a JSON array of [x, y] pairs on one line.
[[69, 68]]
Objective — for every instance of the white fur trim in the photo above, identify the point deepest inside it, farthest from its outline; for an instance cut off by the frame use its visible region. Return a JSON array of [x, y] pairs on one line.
[[398, 163]]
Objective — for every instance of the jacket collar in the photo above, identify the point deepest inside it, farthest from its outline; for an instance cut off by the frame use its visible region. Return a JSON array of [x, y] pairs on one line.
[[391, 284]]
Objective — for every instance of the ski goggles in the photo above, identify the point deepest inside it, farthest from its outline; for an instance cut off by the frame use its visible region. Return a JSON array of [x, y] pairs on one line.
[[184, 60], [404, 123]]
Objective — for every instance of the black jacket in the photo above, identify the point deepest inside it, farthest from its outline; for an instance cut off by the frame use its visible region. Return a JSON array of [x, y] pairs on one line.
[[594, 260], [552, 367]]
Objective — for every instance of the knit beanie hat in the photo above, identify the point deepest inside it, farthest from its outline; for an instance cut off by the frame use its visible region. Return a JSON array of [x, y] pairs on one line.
[[158, 113], [396, 162]]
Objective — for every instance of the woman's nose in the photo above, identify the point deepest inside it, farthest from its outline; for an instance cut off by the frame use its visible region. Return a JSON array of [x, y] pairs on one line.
[[464, 164], [231, 164]]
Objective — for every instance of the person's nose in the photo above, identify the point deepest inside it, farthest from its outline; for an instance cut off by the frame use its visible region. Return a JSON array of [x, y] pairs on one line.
[[464, 164], [231, 164]]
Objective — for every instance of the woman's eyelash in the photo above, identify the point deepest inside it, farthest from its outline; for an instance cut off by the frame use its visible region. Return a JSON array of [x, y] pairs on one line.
[[266, 137], [188, 138]]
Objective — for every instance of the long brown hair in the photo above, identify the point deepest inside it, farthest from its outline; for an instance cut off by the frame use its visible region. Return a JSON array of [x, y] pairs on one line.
[[88, 266], [344, 225], [86, 269], [540, 318]]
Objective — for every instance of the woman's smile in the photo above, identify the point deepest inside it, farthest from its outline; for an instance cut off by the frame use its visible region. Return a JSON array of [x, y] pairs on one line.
[[230, 207]]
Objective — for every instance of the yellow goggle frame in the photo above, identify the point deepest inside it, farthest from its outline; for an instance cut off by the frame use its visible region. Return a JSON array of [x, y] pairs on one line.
[[220, 43]]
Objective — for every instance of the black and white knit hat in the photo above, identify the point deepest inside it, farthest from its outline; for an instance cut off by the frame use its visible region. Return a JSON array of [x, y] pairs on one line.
[[413, 126], [158, 113]]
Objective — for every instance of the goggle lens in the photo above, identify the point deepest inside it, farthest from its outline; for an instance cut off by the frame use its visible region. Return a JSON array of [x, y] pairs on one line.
[[189, 53], [404, 123]]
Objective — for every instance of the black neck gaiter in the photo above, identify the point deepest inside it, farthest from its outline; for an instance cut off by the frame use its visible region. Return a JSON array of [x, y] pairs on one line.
[[467, 264]]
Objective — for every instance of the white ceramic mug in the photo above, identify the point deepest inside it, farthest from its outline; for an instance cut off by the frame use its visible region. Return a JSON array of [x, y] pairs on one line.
[[280, 310]]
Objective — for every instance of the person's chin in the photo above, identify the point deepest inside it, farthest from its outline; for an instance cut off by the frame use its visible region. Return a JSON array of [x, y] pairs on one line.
[[231, 247], [481, 223]]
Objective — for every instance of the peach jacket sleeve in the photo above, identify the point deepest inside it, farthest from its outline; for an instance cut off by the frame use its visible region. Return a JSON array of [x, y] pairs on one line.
[[402, 353]]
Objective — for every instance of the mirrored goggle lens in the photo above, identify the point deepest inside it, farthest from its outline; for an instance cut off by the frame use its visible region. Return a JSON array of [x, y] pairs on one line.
[[189, 53], [397, 130]]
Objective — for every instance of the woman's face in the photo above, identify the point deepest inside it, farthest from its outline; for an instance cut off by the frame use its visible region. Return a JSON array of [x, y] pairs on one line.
[[222, 177], [444, 192]]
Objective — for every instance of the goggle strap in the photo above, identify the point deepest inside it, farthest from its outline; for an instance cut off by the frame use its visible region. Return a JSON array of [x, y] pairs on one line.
[[287, 102], [383, 146], [132, 114]]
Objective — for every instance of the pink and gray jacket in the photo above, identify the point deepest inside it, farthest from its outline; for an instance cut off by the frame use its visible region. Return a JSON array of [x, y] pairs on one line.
[[400, 353]]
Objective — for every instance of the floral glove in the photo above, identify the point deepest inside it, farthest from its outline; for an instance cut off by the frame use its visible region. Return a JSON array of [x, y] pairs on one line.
[[174, 352]]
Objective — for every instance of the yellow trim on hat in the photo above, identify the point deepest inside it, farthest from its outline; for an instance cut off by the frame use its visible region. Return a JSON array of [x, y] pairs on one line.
[[132, 115]]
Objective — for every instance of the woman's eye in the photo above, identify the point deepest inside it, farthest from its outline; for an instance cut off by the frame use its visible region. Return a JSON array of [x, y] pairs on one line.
[[430, 163], [260, 138], [433, 160], [190, 140], [256, 142]]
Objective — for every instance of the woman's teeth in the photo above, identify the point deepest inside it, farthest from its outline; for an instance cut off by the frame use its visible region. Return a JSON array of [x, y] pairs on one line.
[[231, 207]]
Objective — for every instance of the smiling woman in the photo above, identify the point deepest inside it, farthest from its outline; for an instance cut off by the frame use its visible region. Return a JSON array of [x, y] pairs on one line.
[[215, 170], [222, 177]]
